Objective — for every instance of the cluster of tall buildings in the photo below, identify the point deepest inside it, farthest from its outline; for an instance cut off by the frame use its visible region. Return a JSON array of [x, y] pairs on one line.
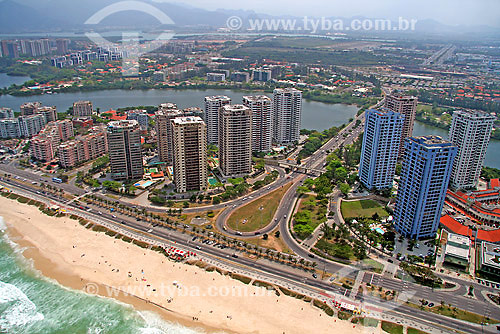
[[83, 148], [237, 129], [33, 47], [101, 54], [429, 164], [43, 147], [34, 116]]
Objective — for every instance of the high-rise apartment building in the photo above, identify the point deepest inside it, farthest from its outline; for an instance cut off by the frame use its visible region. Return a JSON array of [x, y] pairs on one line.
[[9, 128], [287, 110], [163, 120], [30, 108], [6, 113], [31, 125], [23, 126], [82, 109], [10, 48], [235, 140], [42, 148], [35, 48], [50, 113], [262, 122], [422, 190], [125, 152], [190, 154], [470, 131], [380, 149], [62, 45], [406, 106], [141, 116], [212, 106], [65, 129], [83, 148]]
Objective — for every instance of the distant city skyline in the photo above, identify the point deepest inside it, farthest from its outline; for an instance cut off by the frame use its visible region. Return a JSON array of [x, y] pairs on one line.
[[482, 12]]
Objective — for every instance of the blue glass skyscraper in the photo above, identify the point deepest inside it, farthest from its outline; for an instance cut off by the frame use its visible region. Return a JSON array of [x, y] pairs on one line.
[[422, 190], [379, 154]]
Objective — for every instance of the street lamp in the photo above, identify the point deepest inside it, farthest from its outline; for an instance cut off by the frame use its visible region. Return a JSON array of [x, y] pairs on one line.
[[261, 218]]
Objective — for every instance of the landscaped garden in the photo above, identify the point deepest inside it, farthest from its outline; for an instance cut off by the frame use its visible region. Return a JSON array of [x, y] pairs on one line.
[[310, 214], [362, 208]]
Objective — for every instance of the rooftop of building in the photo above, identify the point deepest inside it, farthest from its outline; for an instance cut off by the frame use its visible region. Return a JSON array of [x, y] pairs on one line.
[[474, 114], [217, 98], [287, 90], [431, 141], [168, 112], [168, 105], [456, 251], [490, 254], [187, 120], [402, 96], [256, 98], [456, 227], [235, 107], [459, 239], [123, 124], [383, 112]]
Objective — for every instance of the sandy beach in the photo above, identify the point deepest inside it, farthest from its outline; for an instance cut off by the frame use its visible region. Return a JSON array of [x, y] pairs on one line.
[[82, 259]]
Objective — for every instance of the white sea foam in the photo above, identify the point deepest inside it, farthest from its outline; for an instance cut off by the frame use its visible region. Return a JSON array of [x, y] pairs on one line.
[[3, 226], [156, 325], [21, 310]]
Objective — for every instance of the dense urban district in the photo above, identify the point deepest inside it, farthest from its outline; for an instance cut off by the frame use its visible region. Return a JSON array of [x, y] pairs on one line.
[[390, 227]]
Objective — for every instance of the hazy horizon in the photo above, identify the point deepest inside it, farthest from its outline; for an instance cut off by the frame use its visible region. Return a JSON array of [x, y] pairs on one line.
[[451, 12]]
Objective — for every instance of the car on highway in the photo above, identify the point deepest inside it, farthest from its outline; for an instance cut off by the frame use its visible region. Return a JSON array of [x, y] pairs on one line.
[[239, 233]]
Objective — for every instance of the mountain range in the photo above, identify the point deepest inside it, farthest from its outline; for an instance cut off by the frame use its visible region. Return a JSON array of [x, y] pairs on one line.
[[35, 16]]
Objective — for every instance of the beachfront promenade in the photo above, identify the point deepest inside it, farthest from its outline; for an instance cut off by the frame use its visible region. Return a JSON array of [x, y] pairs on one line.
[[261, 269]]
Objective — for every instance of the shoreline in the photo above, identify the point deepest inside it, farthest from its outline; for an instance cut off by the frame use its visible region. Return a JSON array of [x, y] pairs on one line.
[[53, 271], [63, 250]]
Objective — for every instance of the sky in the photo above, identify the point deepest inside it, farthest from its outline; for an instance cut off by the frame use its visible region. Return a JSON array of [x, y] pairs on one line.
[[452, 12]]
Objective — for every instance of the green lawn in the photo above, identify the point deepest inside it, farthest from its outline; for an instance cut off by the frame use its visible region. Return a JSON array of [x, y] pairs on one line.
[[415, 331], [363, 208], [372, 265], [250, 218], [462, 314], [367, 322], [392, 328]]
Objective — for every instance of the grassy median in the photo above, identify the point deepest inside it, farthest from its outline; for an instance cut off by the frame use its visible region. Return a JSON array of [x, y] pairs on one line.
[[257, 214]]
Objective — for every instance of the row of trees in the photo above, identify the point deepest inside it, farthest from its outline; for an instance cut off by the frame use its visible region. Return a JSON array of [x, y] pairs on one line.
[[202, 232]]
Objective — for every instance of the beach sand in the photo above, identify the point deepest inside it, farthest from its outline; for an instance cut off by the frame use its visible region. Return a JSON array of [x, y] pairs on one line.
[[82, 259]]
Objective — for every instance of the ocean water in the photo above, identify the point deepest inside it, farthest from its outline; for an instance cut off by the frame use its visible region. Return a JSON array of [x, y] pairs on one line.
[[31, 303]]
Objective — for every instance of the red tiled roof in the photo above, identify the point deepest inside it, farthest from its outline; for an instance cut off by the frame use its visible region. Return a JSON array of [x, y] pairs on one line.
[[491, 236], [495, 183], [455, 227], [157, 175]]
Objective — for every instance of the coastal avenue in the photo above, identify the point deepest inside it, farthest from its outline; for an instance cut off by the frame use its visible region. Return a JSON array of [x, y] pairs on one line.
[[274, 272], [267, 268]]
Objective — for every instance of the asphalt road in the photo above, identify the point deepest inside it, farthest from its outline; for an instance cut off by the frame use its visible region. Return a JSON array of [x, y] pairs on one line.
[[273, 271]]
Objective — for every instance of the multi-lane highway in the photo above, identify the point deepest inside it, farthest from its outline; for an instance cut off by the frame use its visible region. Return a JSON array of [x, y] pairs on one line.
[[264, 269], [274, 270]]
